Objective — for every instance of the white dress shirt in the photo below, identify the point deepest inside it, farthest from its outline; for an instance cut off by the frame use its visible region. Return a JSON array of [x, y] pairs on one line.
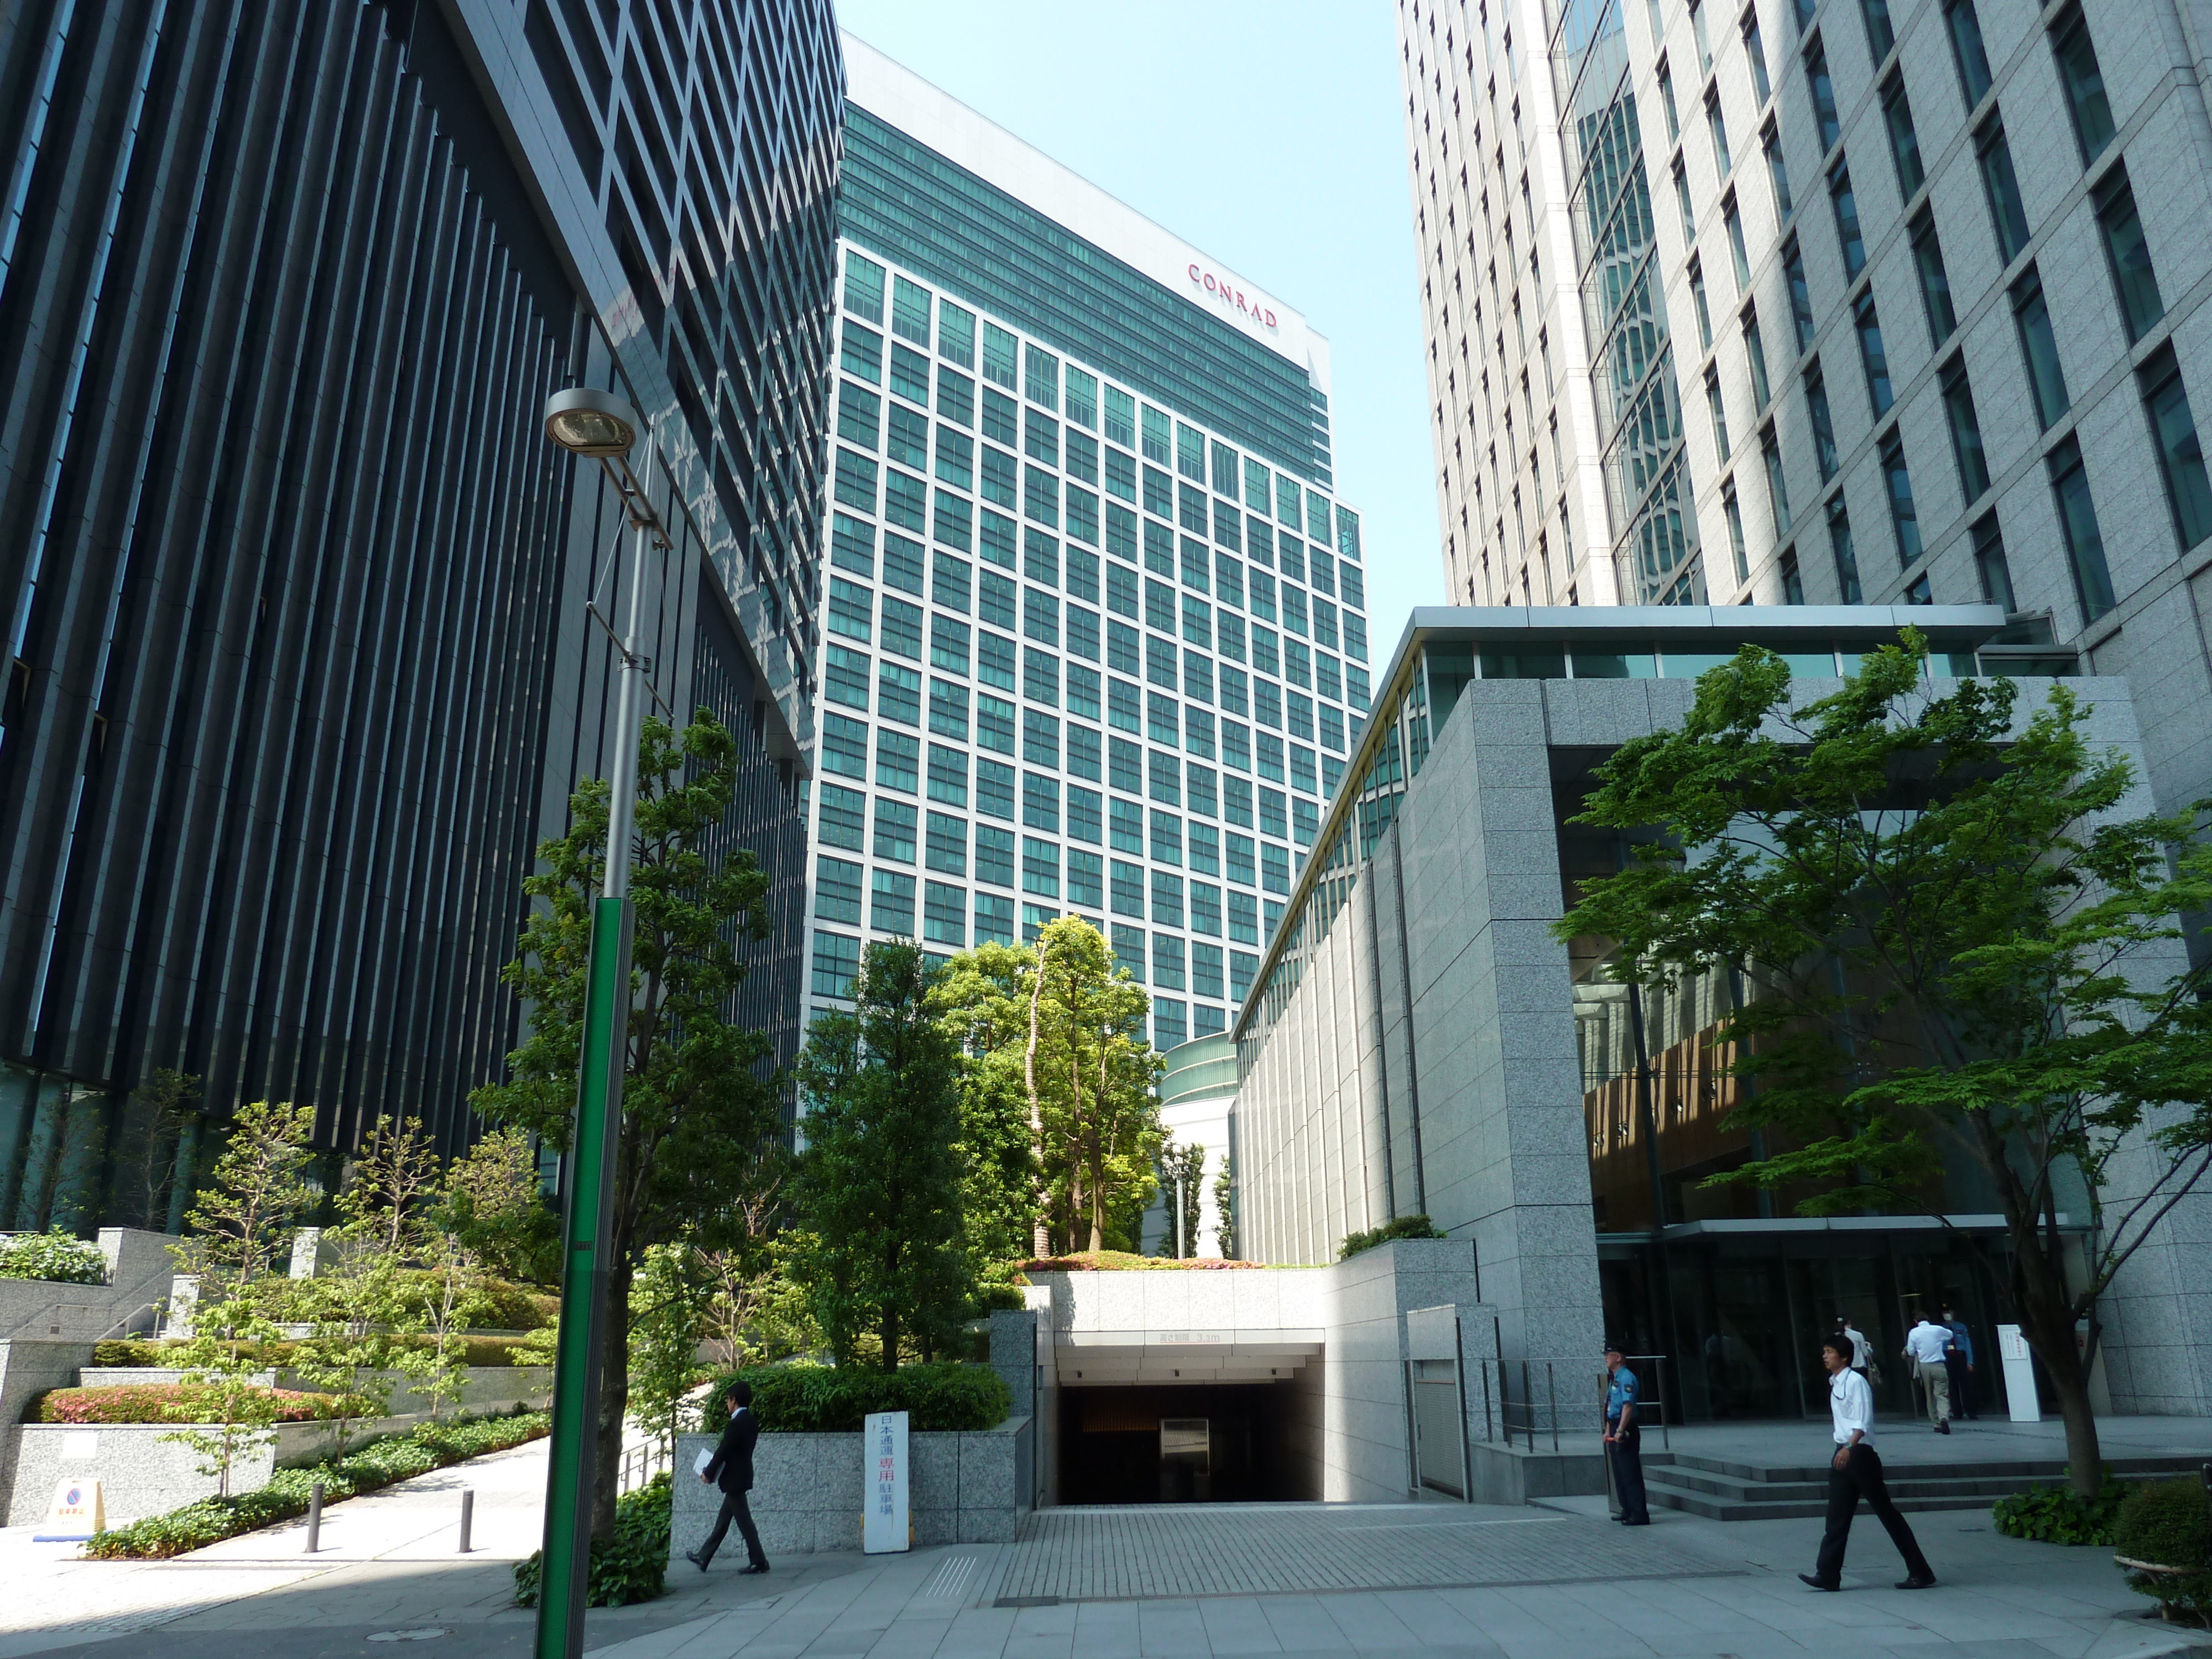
[[1851, 1403], [1927, 1343]]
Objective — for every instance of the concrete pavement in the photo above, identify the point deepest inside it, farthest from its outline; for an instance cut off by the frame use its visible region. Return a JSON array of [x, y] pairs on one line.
[[1380, 1581]]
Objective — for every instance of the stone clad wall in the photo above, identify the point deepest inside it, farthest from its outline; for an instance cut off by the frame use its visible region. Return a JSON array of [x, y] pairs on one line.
[[962, 1488]]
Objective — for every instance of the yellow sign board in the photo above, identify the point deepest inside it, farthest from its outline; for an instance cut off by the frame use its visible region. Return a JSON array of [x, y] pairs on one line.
[[78, 1512]]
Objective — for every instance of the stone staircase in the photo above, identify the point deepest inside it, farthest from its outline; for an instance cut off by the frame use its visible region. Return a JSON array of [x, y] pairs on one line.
[[1720, 1490]]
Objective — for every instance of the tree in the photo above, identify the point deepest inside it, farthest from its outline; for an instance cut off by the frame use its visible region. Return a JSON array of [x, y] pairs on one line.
[[1959, 962], [398, 1177], [698, 1098], [154, 1140], [242, 1224], [1063, 1024], [879, 1183], [1225, 1207], [1181, 1169], [667, 1304], [982, 997], [493, 1201]]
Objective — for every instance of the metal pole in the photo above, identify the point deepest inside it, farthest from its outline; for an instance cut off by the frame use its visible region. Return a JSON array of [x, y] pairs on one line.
[[1179, 1216], [1552, 1387], [588, 1221], [1528, 1399], [314, 1517], [468, 1516]]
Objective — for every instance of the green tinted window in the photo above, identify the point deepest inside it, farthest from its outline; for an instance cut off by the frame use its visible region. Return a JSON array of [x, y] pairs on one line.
[[1043, 381], [1120, 418], [1082, 397], [1317, 516], [999, 356], [863, 287], [910, 311], [955, 334], [1157, 430], [1536, 663]]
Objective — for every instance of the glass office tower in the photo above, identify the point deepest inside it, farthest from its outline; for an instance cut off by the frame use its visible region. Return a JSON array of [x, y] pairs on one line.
[[1094, 634]]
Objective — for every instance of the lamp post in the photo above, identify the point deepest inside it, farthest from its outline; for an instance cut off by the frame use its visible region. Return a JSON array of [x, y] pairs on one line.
[[596, 426]]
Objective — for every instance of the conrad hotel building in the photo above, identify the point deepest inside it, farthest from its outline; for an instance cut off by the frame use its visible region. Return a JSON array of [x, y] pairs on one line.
[[1094, 637]]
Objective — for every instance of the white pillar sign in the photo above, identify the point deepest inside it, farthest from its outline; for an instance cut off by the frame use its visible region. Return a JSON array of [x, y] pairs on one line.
[[884, 1529], [2019, 1376]]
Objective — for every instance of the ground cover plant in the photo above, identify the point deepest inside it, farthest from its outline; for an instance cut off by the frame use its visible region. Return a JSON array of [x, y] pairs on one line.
[[631, 1566], [180, 1402]]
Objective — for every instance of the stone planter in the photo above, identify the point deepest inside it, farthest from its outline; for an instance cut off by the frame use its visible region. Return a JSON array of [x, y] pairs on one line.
[[962, 1488]]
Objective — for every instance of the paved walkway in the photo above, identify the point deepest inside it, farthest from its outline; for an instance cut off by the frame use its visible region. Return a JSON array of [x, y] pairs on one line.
[[1378, 1581]]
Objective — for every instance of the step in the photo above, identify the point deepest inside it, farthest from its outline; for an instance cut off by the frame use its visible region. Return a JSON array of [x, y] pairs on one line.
[[2006, 1469], [1717, 1493], [1717, 1509]]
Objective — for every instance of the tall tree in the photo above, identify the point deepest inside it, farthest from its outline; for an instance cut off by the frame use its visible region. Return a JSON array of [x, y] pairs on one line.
[[1961, 962], [698, 1098], [880, 1184], [1182, 1168], [983, 998]]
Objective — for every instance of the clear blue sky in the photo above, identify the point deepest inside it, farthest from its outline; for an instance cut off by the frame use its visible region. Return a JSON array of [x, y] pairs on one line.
[[1271, 137]]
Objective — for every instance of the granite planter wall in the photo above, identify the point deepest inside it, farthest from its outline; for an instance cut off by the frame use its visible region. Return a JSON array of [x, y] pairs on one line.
[[962, 1488]]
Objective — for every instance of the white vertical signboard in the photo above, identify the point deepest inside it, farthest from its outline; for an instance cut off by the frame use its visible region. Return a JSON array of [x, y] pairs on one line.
[[884, 1528], [2018, 1375]]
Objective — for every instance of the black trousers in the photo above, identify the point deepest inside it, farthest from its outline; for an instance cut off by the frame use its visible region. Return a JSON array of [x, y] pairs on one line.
[[1861, 1477], [734, 1507], [1626, 1456], [1962, 1385]]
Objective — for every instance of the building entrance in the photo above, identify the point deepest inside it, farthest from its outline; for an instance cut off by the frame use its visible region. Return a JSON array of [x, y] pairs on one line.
[[1221, 1443]]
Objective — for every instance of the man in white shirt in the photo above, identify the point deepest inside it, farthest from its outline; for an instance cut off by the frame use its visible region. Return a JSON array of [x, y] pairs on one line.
[[1854, 1473], [1925, 1345]]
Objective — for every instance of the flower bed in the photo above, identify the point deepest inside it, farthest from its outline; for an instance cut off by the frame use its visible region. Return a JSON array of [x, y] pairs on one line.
[[483, 1350], [398, 1457], [180, 1402], [1090, 1261]]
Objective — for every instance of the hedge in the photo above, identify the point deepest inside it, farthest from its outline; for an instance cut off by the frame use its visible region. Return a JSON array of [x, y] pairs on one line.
[[1405, 1226], [632, 1566], [380, 1463], [2165, 1524], [178, 1403], [2059, 1514], [54, 1256], [831, 1400], [1086, 1262], [487, 1350]]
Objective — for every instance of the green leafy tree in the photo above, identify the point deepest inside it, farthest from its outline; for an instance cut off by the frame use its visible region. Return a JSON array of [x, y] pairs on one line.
[[698, 1099], [878, 1186], [1960, 961], [667, 1307], [159, 1107], [982, 997], [1225, 1207], [494, 1201], [1065, 1025]]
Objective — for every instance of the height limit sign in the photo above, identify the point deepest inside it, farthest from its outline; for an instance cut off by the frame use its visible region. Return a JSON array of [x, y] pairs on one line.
[[885, 1528]]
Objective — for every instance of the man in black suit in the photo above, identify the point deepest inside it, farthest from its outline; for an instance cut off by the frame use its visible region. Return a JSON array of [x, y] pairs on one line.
[[733, 1463]]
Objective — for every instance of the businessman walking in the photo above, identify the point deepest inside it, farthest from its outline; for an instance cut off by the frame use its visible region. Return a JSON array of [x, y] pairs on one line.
[[1854, 1473], [732, 1464]]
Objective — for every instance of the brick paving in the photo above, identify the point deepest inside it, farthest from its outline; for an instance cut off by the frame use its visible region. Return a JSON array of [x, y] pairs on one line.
[[1122, 1554]]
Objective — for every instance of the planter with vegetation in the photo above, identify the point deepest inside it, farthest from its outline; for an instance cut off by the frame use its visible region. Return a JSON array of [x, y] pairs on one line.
[[2061, 1515], [834, 1399], [56, 1257], [535, 1348], [186, 1402], [380, 1463], [1405, 1226], [631, 1566], [1093, 1261], [2162, 1540]]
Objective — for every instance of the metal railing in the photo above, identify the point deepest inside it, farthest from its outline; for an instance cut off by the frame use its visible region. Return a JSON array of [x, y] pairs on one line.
[[641, 1463], [1520, 1401]]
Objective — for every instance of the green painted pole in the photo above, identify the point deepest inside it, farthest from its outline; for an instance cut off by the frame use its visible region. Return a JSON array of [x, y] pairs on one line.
[[587, 1229]]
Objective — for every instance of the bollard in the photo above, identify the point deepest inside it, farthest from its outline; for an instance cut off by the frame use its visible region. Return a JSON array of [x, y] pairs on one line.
[[314, 1517], [468, 1515]]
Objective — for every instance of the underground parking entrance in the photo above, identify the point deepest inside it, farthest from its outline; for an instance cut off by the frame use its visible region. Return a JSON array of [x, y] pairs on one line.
[[1189, 1417]]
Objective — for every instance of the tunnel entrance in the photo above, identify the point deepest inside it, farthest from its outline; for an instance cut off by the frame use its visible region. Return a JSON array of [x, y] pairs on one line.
[[1184, 1443]]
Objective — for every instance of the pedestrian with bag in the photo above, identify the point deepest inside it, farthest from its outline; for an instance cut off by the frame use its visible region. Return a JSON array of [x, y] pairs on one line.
[[1624, 1441], [1855, 1472], [732, 1466], [1926, 1346]]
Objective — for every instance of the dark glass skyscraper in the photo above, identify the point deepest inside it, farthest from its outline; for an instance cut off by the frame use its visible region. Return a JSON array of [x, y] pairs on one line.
[[299, 666]]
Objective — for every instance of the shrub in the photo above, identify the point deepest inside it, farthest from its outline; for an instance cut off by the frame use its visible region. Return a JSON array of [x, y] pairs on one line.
[[1405, 1226], [1086, 1262], [59, 1257], [395, 1457], [178, 1402], [830, 1400], [2166, 1524], [632, 1566], [486, 1351], [2059, 1514]]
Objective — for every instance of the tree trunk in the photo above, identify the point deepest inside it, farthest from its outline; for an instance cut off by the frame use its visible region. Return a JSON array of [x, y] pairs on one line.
[[2046, 1310], [614, 1400]]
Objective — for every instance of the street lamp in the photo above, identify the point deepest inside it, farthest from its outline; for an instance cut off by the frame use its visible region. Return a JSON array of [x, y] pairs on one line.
[[598, 426]]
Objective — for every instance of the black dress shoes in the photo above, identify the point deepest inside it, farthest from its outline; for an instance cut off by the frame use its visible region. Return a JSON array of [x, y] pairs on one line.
[[693, 1557], [1915, 1584], [760, 1566], [1807, 1578]]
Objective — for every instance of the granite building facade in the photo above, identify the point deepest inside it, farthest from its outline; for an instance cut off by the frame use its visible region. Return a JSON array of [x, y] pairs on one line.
[[300, 667]]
